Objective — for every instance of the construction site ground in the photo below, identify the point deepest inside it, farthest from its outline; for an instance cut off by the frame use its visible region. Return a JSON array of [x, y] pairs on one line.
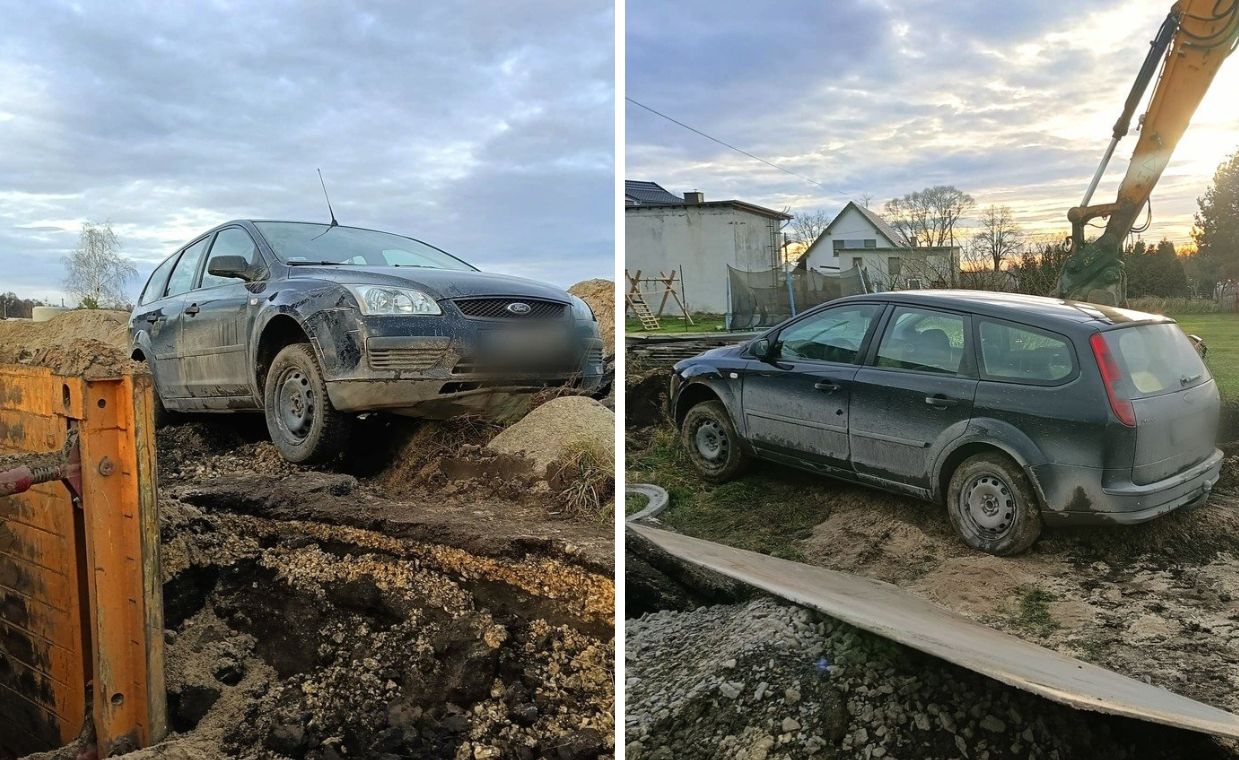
[[1158, 602], [422, 597]]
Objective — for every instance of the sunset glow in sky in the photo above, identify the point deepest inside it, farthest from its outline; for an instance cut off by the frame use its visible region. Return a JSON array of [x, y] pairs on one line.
[[1012, 102]]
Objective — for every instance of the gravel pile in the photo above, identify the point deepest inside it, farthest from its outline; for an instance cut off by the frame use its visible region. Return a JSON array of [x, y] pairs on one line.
[[768, 680]]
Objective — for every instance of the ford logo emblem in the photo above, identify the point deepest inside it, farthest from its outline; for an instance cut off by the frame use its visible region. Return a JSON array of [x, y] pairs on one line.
[[516, 307]]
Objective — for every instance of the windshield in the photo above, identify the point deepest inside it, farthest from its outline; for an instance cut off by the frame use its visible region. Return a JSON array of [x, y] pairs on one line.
[[307, 243]]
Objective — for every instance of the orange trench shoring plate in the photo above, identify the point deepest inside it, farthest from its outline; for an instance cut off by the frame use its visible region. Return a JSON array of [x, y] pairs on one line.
[[80, 595]]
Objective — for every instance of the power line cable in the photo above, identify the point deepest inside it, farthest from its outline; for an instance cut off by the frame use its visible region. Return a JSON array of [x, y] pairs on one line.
[[725, 144]]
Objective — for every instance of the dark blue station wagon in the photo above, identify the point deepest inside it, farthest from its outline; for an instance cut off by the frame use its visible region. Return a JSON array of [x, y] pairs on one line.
[[1012, 410]]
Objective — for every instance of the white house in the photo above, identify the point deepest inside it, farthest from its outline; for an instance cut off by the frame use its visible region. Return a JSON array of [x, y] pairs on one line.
[[667, 233], [858, 237]]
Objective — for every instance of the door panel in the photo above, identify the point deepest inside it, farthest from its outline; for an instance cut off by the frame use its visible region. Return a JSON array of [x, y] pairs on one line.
[[799, 409], [159, 319], [797, 404], [213, 337], [893, 425], [923, 384], [167, 348], [215, 329]]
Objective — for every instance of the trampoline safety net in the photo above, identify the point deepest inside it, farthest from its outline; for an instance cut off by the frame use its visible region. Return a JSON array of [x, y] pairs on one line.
[[767, 297]]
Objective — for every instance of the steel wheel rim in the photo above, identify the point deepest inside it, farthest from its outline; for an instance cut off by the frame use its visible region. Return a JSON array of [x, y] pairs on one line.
[[295, 404], [988, 503], [711, 441]]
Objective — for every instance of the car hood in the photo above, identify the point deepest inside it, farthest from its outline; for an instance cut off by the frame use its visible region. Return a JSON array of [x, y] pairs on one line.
[[437, 283], [714, 354]]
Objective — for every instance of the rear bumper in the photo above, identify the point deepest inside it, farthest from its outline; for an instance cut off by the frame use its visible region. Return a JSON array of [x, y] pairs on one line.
[[1084, 501]]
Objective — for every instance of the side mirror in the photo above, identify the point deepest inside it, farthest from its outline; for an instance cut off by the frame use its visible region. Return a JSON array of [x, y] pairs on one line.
[[230, 266], [762, 349]]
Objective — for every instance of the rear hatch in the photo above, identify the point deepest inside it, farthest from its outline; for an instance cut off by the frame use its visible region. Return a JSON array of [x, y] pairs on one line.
[[1172, 394]]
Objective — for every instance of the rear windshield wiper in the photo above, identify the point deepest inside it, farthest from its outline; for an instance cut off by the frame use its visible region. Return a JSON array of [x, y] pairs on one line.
[[1186, 381]]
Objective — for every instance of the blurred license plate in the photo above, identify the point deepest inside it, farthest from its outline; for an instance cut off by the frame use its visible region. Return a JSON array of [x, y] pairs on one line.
[[533, 341]]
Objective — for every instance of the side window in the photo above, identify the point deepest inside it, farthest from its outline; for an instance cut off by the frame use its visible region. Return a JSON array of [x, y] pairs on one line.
[[833, 335], [159, 279], [924, 340], [230, 241], [183, 275], [1020, 353]]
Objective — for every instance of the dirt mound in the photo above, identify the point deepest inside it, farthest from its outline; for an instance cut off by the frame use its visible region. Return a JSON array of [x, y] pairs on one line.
[[600, 295], [87, 342], [559, 429], [105, 325], [646, 397]]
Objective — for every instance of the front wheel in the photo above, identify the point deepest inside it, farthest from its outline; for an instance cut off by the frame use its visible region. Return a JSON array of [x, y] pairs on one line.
[[712, 442], [303, 424], [992, 505]]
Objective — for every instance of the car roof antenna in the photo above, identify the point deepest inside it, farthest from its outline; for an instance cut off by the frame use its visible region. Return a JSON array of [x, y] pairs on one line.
[[334, 223]]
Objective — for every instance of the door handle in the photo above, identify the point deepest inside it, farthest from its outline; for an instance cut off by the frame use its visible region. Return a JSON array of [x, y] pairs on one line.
[[827, 386], [942, 402], [152, 318], [192, 309]]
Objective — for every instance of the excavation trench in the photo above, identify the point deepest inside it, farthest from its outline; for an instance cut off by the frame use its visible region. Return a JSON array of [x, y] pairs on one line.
[[301, 639]]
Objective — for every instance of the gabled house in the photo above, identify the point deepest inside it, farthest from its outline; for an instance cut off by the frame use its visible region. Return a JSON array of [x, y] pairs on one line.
[[858, 237]]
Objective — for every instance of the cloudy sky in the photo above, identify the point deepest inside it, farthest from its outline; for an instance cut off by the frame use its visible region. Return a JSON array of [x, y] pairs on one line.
[[481, 127], [1012, 102]]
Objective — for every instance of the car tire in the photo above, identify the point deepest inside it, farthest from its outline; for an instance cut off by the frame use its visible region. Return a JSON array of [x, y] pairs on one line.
[[992, 505], [303, 424], [712, 443]]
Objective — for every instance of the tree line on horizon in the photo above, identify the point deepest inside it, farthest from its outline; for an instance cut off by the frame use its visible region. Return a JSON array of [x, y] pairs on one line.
[[995, 253]]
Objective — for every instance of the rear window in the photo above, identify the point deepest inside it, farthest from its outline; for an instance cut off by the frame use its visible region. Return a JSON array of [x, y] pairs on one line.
[[159, 279], [1155, 359], [1024, 354]]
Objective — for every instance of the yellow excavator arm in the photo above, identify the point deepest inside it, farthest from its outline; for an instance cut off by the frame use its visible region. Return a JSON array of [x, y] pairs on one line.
[[1191, 44]]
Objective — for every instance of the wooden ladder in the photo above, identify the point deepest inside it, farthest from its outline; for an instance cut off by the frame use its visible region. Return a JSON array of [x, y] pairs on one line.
[[637, 303]]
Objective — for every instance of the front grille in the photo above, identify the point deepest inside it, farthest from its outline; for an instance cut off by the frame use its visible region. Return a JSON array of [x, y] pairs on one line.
[[497, 308], [409, 359]]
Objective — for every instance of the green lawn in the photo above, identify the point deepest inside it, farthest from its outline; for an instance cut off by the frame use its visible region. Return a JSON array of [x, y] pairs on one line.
[[1221, 334], [671, 325]]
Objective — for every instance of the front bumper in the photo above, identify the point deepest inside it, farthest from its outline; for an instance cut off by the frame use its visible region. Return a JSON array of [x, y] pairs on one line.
[[1085, 502], [445, 366]]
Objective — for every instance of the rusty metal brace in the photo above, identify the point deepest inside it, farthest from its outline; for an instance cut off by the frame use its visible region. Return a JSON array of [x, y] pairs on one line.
[[33, 469]]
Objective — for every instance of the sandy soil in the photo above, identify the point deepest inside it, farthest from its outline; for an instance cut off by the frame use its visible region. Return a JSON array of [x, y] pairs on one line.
[[600, 295], [1158, 602]]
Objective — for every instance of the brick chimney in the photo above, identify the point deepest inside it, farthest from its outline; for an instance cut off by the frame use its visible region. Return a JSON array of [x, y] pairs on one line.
[[695, 198]]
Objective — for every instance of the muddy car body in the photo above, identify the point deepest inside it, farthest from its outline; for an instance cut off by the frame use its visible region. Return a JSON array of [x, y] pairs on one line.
[[380, 322], [1013, 410]]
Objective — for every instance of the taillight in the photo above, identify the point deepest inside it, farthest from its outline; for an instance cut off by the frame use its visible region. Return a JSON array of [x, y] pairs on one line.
[[1110, 377]]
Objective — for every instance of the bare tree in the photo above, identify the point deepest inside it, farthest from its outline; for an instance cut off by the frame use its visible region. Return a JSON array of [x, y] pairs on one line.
[[866, 199], [928, 217], [807, 226], [998, 236], [96, 272]]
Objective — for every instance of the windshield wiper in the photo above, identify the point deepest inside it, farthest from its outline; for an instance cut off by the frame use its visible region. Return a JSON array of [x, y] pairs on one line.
[[312, 263]]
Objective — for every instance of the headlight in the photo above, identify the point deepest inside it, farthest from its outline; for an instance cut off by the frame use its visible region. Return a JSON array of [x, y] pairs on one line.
[[581, 310], [381, 299]]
